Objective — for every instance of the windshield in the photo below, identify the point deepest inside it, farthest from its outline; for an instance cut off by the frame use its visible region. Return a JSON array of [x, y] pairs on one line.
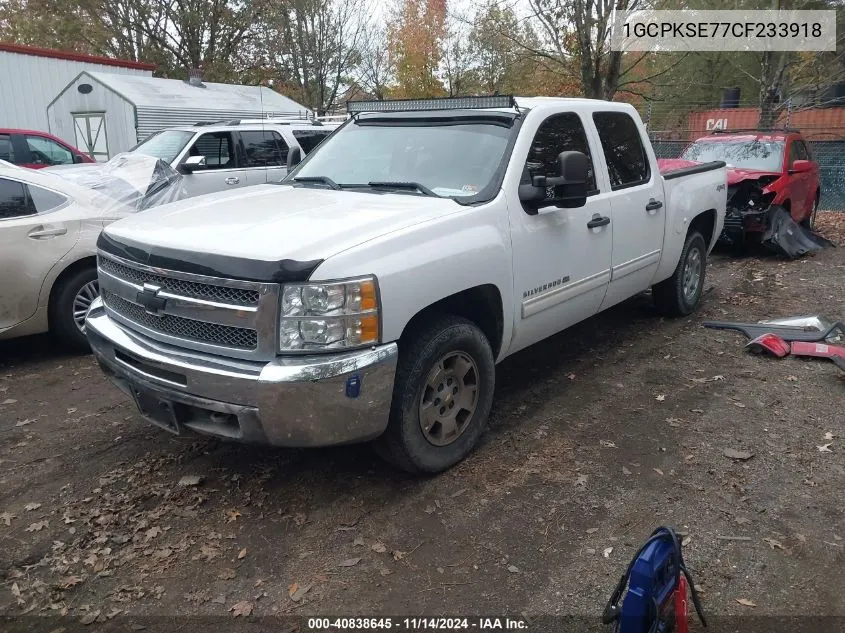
[[164, 145], [451, 160], [762, 155]]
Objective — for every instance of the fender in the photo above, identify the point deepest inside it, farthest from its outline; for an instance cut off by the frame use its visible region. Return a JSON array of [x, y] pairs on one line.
[[422, 264]]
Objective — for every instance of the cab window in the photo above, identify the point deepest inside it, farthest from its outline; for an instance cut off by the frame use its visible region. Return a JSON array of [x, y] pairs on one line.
[[44, 151], [559, 133], [624, 153]]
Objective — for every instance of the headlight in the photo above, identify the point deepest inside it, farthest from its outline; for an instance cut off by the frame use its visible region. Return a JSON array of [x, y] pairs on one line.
[[332, 315]]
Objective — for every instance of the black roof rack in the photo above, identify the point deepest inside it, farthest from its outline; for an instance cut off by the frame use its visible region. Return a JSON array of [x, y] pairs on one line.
[[788, 130], [436, 103]]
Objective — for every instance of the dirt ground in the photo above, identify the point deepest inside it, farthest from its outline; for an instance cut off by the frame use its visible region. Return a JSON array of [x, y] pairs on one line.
[[597, 436]]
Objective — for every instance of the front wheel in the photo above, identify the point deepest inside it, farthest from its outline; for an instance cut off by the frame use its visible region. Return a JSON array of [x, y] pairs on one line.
[[681, 293], [441, 397], [70, 304]]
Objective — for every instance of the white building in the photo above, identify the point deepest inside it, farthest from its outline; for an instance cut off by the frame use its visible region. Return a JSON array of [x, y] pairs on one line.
[[30, 78], [115, 112]]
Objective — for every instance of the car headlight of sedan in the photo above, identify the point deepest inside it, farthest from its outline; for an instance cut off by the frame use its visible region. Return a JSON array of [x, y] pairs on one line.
[[328, 316]]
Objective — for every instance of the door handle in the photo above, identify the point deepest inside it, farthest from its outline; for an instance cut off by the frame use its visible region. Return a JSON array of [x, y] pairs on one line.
[[42, 232], [232, 180], [653, 205], [597, 221]]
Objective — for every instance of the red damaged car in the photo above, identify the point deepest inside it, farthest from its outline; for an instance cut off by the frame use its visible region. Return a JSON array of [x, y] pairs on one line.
[[765, 169]]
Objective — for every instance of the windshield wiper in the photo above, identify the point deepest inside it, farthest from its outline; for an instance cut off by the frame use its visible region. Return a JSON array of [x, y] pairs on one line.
[[325, 180], [389, 184]]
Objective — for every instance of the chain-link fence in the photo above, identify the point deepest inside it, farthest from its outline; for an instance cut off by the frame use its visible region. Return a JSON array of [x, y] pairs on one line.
[[673, 126]]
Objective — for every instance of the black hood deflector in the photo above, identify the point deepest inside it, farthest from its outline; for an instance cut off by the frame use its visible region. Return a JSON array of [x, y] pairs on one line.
[[198, 263]]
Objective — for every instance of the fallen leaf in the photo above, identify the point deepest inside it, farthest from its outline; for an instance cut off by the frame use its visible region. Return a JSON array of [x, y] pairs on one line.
[[773, 543], [592, 530], [89, 618], [114, 612], [190, 480], [296, 592], [232, 515], [825, 448], [29, 507], [9, 401], [37, 526], [686, 541], [379, 548], [227, 574], [734, 454], [739, 404], [349, 562], [160, 554], [70, 581], [658, 471], [16, 591], [570, 376], [745, 602], [241, 609], [660, 398], [801, 538], [242, 554], [152, 533], [625, 471], [607, 552], [792, 378], [581, 480], [607, 443], [25, 422], [6, 517], [359, 542], [696, 410], [828, 436], [513, 569], [398, 555]]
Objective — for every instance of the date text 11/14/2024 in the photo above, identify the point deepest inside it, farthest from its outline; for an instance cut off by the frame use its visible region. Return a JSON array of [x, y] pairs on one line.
[[418, 624]]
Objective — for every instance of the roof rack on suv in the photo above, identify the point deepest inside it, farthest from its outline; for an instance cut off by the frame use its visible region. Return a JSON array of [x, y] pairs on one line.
[[287, 118], [790, 130]]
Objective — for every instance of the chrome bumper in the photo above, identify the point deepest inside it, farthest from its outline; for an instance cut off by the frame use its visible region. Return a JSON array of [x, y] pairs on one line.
[[315, 400]]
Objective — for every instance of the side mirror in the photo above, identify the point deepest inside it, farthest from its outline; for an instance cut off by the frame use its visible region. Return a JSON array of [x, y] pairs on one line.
[[294, 157], [801, 167], [567, 190], [193, 163]]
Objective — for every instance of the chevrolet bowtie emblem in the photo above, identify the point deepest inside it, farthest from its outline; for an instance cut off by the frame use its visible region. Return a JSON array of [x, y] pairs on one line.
[[149, 299]]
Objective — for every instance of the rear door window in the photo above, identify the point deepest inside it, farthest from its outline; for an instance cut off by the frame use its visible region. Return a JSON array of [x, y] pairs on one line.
[[264, 148], [218, 149], [14, 201], [309, 139], [623, 148], [45, 200], [7, 153]]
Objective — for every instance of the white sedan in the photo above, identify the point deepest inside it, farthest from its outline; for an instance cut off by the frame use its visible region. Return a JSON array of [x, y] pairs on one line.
[[48, 234]]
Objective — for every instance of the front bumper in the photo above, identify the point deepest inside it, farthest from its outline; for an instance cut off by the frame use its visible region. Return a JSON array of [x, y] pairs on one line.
[[315, 400]]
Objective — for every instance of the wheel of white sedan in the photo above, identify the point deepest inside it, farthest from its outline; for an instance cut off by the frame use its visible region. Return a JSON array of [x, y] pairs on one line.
[[69, 304]]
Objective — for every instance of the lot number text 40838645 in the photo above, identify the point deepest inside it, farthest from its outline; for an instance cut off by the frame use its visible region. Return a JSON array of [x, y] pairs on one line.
[[418, 624]]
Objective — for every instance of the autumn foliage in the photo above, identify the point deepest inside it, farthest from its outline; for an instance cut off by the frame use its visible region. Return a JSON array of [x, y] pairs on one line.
[[415, 40]]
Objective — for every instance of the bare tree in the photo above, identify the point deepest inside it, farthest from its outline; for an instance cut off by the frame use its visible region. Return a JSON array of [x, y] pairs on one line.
[[313, 46], [374, 71]]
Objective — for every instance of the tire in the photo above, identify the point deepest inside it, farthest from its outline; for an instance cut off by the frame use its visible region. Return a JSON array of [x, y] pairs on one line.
[[810, 223], [451, 343], [69, 299], [681, 293]]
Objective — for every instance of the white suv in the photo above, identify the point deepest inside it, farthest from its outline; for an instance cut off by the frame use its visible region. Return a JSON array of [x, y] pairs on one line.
[[239, 153]]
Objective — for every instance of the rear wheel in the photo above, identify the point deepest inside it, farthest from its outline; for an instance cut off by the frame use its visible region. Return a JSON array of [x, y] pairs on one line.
[[69, 305], [441, 397], [681, 293]]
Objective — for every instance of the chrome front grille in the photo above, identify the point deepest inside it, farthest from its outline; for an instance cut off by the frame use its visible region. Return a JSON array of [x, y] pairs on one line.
[[180, 327], [228, 317], [221, 294]]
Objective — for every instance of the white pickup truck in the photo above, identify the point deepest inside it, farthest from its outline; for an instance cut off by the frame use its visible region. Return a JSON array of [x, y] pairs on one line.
[[371, 294]]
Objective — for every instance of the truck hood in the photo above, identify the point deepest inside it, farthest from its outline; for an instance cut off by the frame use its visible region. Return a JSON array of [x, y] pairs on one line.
[[273, 222], [735, 174]]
